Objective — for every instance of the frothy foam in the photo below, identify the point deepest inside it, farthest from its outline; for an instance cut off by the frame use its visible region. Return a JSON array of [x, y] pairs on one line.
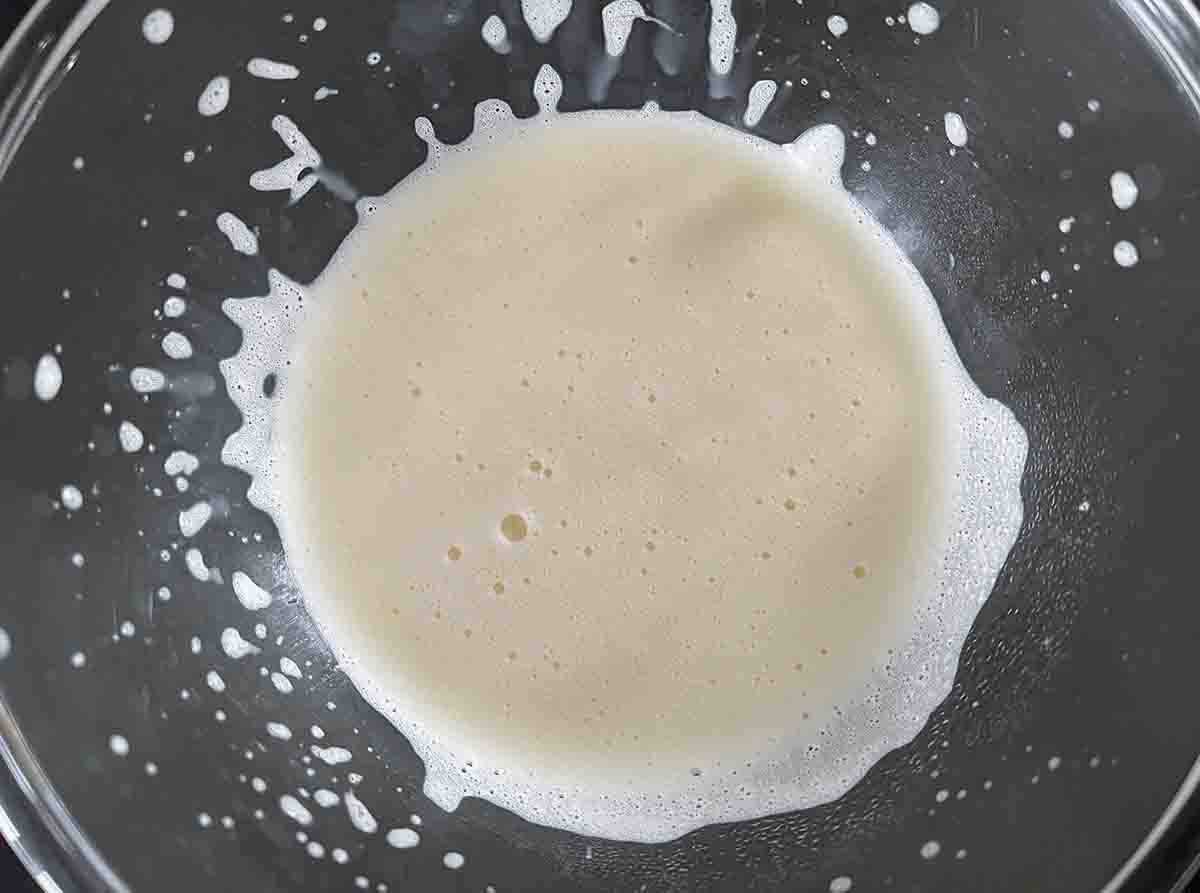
[[591, 460]]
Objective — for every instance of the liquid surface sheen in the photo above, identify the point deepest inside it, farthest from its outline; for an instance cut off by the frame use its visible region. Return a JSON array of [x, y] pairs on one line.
[[629, 469]]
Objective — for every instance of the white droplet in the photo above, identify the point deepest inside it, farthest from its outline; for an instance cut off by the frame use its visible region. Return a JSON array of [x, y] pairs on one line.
[[239, 235], [5, 643], [324, 93], [837, 25], [956, 129], [177, 346], [271, 70], [130, 436], [1124, 190], [214, 681], [158, 26], [78, 660], [1066, 130], [544, 16], [453, 860], [145, 380], [326, 799], [295, 810], [923, 18], [235, 647], [174, 307], [72, 498], [840, 885], [194, 561], [403, 838], [193, 519], [930, 849], [495, 35], [1125, 254], [47, 378], [1065, 225], [214, 98], [180, 462], [290, 668], [250, 594], [759, 98], [119, 745], [332, 756], [319, 23], [722, 36], [360, 816], [282, 684], [279, 731]]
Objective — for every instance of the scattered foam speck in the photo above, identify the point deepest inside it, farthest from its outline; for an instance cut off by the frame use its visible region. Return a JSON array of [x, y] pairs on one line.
[[332, 756], [193, 519], [158, 26], [214, 98], [495, 35], [270, 70], [238, 234], [923, 18], [235, 647], [956, 129], [176, 346], [759, 98], [145, 380], [403, 838], [47, 378], [1125, 253], [251, 596], [1124, 190]]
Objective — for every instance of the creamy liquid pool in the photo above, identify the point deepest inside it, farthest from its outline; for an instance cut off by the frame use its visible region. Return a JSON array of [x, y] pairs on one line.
[[627, 466]]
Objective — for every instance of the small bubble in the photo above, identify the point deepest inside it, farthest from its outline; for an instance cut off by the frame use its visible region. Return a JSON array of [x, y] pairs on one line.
[[789, 504], [498, 588], [514, 528], [454, 553], [859, 571]]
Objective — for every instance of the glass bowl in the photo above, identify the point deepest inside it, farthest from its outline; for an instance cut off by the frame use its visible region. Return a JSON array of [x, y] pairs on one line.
[[1065, 756]]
